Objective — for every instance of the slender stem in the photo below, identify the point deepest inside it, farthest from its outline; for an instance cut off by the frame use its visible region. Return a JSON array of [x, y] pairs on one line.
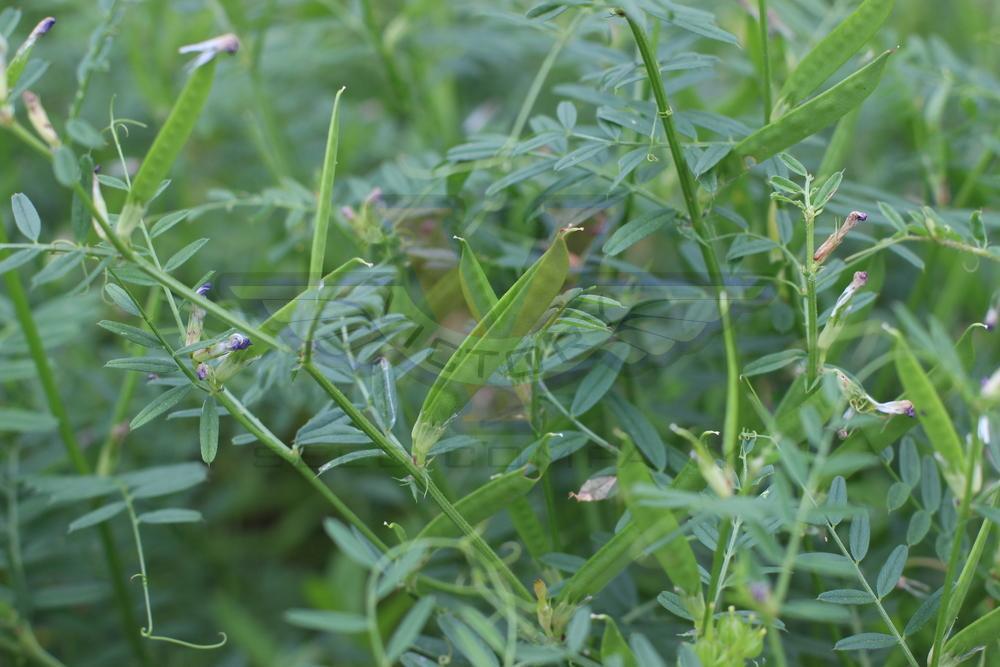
[[598, 440], [536, 84], [419, 476], [111, 20], [22, 310], [400, 99], [974, 176], [955, 555], [147, 631], [689, 190], [107, 460], [715, 580], [868, 589], [291, 456], [811, 308], [356, 416], [688, 186], [765, 58]]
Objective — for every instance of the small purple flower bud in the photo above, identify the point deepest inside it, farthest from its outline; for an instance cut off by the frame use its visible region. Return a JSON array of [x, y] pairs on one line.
[[991, 386], [374, 197], [992, 315], [202, 371], [861, 216], [238, 342], [203, 289], [348, 213], [759, 591], [208, 49], [896, 408], [43, 26]]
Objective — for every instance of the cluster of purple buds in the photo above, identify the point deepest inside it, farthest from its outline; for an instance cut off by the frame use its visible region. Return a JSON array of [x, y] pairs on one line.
[[233, 343], [238, 342]]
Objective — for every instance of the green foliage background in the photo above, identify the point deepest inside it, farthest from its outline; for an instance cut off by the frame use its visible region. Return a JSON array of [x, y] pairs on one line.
[[434, 90]]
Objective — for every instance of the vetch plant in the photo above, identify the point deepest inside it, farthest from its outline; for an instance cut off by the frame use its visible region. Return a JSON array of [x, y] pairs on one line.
[[655, 350]]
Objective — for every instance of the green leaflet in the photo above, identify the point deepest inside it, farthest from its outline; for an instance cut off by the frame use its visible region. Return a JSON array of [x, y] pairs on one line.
[[482, 503], [834, 50], [676, 556], [807, 119], [479, 295], [613, 646], [981, 632], [933, 416], [159, 405], [167, 145], [486, 347]]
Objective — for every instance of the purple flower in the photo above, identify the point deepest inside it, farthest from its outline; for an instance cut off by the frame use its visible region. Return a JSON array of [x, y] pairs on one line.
[[992, 315], [43, 27], [203, 290], [202, 371], [238, 342], [208, 49], [896, 408], [760, 591]]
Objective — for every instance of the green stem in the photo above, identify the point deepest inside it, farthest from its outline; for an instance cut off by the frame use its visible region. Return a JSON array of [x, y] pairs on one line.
[[812, 317], [765, 58], [974, 176], [955, 555], [400, 99], [356, 416], [36, 348], [107, 460], [147, 631], [878, 603], [536, 84], [112, 18], [688, 186], [419, 476], [293, 458]]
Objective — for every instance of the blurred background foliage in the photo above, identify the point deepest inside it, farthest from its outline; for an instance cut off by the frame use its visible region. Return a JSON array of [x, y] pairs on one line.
[[422, 77]]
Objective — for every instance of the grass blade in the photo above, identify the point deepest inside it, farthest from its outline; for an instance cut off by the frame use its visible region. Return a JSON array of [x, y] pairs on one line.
[[324, 202]]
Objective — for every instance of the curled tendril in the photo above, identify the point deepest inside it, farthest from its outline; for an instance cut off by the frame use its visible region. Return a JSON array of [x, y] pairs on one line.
[[181, 642]]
